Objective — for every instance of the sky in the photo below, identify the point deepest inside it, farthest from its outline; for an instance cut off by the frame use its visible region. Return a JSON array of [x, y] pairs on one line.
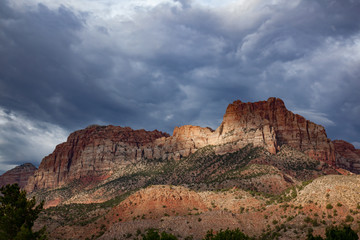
[[157, 64]]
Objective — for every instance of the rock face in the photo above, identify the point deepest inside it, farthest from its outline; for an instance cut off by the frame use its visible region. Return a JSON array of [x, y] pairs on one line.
[[269, 123], [19, 175], [265, 123], [93, 154], [347, 156]]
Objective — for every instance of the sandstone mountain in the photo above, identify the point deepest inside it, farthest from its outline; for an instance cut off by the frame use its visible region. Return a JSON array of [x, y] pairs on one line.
[[19, 175], [92, 154], [251, 172], [97, 152]]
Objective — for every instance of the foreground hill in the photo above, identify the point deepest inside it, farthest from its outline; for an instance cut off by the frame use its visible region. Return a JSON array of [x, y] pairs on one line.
[[328, 200], [113, 182]]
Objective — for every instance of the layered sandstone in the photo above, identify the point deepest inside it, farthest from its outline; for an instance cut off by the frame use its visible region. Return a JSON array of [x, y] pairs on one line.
[[269, 123], [19, 175], [93, 154], [265, 123], [347, 156]]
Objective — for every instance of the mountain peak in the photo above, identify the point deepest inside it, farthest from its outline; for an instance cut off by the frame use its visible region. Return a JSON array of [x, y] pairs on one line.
[[93, 154], [19, 175]]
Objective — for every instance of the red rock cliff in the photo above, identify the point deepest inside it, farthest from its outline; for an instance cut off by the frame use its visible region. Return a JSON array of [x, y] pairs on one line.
[[95, 152], [265, 123], [278, 126], [347, 156], [19, 175], [92, 154]]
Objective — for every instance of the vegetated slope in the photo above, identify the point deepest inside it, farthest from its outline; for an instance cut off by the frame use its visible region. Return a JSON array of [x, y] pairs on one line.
[[96, 153], [309, 206], [250, 168], [245, 174]]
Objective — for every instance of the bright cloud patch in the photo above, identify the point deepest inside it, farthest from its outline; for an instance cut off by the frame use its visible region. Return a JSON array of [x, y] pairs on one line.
[[22, 140]]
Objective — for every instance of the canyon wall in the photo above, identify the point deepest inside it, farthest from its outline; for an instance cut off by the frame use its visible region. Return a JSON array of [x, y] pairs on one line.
[[92, 154], [265, 123]]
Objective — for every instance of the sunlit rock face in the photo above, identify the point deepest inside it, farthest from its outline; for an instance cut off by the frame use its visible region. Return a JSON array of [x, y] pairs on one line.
[[93, 154], [269, 123], [265, 123]]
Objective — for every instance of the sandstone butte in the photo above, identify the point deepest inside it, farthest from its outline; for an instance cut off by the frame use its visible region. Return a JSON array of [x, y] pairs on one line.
[[92, 154], [19, 174]]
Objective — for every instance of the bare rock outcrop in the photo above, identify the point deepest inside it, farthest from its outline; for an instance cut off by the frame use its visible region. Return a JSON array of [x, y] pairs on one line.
[[269, 123], [266, 123], [19, 175], [93, 154], [90, 155], [347, 156]]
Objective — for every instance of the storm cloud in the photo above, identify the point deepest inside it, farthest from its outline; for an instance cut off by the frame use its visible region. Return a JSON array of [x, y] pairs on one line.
[[160, 64]]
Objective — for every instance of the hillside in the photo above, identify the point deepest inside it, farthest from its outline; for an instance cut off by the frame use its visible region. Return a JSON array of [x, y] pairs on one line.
[[93, 154], [251, 172], [249, 168], [183, 212]]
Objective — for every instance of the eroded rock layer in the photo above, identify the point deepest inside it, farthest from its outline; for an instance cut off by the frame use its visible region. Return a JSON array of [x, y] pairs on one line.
[[19, 175], [93, 154], [271, 124], [265, 123], [347, 156]]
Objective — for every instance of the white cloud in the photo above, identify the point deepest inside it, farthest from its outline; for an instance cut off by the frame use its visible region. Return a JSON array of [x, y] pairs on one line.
[[316, 117], [176, 62], [356, 144], [23, 140]]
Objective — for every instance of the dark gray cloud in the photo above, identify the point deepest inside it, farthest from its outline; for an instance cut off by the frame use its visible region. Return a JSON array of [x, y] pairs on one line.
[[160, 64], [23, 140]]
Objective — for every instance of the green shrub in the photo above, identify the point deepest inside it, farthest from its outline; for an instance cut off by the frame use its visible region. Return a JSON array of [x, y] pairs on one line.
[[307, 219], [341, 233], [226, 235], [336, 233], [153, 234], [18, 214], [349, 218], [329, 206]]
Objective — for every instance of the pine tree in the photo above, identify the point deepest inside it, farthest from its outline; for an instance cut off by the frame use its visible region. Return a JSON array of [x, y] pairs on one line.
[[18, 214]]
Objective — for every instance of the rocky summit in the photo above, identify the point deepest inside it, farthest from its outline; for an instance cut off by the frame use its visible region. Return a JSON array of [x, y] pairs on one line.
[[19, 175], [265, 170], [93, 154]]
